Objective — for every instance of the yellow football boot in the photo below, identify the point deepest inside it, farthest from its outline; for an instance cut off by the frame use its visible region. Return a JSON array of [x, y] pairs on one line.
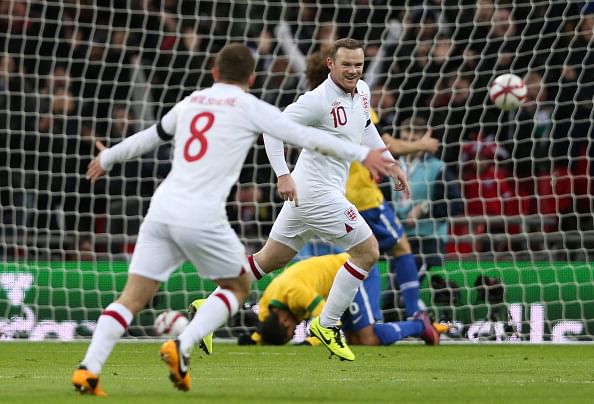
[[332, 339]]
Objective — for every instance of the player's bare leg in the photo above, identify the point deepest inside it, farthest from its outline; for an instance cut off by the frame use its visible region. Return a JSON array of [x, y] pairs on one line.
[[365, 254], [111, 325], [274, 255], [364, 336], [138, 292]]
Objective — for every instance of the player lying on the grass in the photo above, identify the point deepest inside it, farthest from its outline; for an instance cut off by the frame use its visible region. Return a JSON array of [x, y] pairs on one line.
[[299, 294], [213, 129]]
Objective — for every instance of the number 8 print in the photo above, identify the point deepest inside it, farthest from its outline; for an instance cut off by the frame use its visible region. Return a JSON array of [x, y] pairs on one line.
[[198, 134]]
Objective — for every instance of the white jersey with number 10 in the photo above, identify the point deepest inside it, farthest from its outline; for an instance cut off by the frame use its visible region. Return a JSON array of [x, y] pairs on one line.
[[341, 115]]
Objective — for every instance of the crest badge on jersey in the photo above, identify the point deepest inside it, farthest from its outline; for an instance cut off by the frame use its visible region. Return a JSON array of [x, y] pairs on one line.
[[365, 101], [351, 214]]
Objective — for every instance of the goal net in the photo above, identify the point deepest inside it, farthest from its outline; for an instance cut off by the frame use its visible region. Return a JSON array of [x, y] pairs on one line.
[[516, 223]]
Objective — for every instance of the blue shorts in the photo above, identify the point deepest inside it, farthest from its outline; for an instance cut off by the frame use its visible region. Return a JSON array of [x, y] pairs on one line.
[[385, 226], [365, 308]]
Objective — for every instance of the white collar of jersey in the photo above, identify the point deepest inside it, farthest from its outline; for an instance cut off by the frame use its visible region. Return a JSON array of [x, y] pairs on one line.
[[218, 84], [338, 89]]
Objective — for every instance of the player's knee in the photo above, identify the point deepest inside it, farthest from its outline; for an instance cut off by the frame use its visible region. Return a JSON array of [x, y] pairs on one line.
[[372, 254], [402, 247], [138, 292], [365, 254], [365, 258]]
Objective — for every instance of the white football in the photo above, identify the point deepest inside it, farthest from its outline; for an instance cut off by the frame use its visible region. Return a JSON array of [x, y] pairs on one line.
[[170, 324], [507, 91]]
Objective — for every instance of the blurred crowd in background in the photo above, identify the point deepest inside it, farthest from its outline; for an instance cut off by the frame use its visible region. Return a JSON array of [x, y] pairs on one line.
[[75, 72]]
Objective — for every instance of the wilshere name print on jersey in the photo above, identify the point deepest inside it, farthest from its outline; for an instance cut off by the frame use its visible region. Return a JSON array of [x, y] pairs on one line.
[[200, 99]]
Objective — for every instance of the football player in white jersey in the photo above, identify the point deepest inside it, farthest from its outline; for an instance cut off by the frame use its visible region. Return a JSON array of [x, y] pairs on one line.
[[212, 130], [340, 107]]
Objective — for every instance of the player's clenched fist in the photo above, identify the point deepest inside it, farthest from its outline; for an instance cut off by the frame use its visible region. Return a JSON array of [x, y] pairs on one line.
[[94, 170]]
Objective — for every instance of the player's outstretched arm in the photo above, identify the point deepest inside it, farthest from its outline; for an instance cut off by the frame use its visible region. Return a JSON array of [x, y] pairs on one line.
[[133, 146], [271, 121], [94, 170], [401, 147]]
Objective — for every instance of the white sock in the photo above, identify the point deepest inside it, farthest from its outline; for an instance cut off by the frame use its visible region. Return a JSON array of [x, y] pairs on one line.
[[111, 325], [213, 313], [345, 285], [256, 271]]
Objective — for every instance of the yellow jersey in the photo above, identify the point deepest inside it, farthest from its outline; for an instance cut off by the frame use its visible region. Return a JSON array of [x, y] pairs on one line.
[[361, 190], [302, 288]]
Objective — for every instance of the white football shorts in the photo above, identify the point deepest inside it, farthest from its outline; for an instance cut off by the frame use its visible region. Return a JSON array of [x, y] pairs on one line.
[[216, 253], [338, 222]]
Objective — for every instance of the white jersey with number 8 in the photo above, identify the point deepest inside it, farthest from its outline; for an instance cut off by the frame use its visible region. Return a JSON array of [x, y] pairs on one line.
[[213, 130]]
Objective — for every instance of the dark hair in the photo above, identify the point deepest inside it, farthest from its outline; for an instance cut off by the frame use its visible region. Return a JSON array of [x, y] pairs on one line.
[[235, 63], [347, 43], [272, 332], [316, 69]]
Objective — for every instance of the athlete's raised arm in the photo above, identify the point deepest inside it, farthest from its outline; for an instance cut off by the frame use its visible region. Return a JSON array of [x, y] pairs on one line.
[[133, 146], [274, 123]]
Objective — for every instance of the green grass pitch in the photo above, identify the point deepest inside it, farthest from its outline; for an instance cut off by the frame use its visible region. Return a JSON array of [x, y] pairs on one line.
[[407, 373]]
